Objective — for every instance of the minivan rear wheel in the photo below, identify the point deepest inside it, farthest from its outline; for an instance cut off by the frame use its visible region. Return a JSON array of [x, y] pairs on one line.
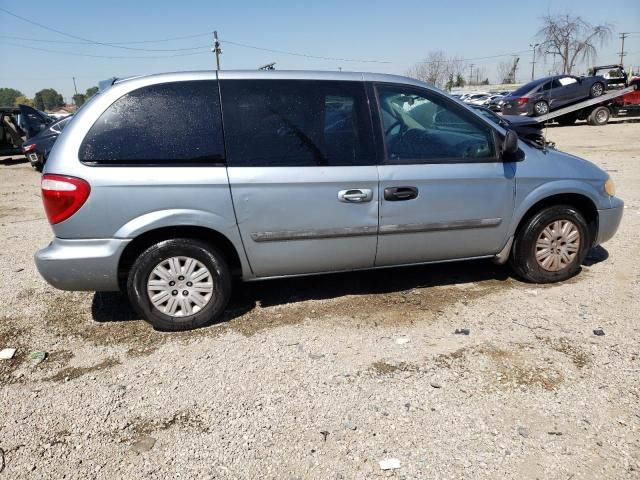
[[551, 245], [179, 284]]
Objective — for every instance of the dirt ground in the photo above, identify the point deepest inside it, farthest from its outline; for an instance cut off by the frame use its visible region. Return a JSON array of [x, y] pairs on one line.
[[324, 377]]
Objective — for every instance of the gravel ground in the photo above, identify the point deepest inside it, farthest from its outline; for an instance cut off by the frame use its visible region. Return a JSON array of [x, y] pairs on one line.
[[325, 377]]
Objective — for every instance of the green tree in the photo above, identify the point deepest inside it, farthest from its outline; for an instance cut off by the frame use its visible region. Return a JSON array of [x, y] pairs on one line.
[[459, 81], [22, 100], [79, 99], [48, 99], [8, 96], [90, 93]]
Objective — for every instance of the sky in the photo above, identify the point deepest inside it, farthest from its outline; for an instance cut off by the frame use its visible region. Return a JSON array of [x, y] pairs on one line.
[[393, 33]]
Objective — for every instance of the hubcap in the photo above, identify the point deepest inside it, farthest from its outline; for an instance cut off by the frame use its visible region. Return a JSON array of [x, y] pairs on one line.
[[180, 286], [601, 116], [558, 245]]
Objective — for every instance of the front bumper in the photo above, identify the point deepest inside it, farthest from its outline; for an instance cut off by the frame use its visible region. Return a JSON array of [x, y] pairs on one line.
[[90, 265], [609, 220]]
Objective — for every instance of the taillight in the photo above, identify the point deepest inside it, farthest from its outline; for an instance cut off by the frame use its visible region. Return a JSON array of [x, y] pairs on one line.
[[522, 101], [28, 148], [63, 196]]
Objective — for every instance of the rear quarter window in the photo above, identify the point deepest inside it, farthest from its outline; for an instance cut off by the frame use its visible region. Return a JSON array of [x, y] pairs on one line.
[[176, 123]]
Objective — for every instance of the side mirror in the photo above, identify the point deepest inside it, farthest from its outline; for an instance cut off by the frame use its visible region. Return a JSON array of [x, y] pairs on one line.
[[509, 145]]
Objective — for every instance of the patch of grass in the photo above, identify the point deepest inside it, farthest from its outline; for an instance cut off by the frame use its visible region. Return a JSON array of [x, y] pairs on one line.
[[384, 368]]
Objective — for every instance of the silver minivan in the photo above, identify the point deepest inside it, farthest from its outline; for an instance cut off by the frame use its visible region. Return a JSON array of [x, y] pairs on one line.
[[169, 186]]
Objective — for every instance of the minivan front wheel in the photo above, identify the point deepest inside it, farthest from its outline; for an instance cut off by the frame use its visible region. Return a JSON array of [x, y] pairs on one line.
[[551, 245], [179, 284]]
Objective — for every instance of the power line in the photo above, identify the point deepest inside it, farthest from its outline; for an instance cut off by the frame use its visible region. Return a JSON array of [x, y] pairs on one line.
[[297, 54], [102, 56], [71, 42], [199, 47], [77, 37]]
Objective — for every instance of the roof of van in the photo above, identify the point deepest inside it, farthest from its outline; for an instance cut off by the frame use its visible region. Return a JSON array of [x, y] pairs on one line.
[[265, 74]]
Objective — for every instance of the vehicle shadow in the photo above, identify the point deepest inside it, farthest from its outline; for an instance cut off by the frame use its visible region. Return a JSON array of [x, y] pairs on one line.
[[596, 255], [115, 307], [13, 161]]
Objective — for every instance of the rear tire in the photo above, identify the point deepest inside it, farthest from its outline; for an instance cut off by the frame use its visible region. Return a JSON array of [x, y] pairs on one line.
[[599, 116], [551, 245], [540, 108], [179, 284]]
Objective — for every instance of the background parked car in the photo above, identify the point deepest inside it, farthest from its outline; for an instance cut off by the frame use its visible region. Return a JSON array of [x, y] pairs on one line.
[[476, 98], [551, 93], [495, 104], [37, 148], [615, 75], [20, 123]]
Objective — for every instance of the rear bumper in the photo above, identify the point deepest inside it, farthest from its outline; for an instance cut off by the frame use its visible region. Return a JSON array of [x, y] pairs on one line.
[[609, 220], [90, 265]]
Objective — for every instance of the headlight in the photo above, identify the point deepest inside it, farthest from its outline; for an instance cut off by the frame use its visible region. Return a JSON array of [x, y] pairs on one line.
[[610, 187]]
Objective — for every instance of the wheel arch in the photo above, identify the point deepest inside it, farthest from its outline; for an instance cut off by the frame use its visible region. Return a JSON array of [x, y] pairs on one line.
[[234, 255], [580, 201]]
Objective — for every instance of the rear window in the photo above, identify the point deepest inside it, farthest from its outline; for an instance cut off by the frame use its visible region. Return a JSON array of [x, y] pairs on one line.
[[169, 124], [525, 89], [296, 123]]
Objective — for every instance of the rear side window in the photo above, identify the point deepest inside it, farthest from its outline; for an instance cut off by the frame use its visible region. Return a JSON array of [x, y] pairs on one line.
[[175, 123], [296, 123]]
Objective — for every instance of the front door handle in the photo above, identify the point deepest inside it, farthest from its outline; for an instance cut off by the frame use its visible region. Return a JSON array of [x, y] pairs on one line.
[[355, 195], [397, 194]]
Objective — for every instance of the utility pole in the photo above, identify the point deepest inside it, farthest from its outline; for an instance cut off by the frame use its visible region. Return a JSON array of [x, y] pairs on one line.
[[623, 35], [471, 73], [216, 49], [74, 85], [533, 62]]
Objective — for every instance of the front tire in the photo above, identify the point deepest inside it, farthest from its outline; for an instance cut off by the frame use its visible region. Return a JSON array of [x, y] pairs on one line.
[[179, 284], [596, 90], [551, 245]]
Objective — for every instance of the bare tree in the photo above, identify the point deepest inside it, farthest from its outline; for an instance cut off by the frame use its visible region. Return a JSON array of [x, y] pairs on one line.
[[504, 72], [571, 38], [438, 69]]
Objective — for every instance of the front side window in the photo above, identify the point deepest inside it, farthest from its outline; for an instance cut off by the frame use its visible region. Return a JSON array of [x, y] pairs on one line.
[[171, 123], [297, 123], [420, 127]]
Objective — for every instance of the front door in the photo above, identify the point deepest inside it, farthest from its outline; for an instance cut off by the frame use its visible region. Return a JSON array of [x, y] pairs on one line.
[[443, 192], [31, 121], [301, 164]]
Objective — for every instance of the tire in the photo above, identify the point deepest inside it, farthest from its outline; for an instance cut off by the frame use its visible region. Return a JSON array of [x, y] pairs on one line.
[[567, 120], [599, 116], [540, 108], [194, 309], [596, 90], [533, 262]]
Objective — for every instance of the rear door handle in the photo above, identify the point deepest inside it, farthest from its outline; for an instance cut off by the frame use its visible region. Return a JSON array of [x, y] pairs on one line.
[[397, 194], [355, 195]]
